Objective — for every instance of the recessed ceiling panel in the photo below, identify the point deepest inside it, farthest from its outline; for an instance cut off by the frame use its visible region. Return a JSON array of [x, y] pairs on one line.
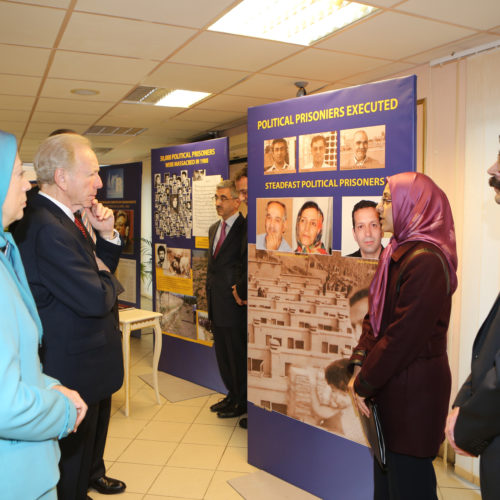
[[194, 13], [19, 85], [60, 88], [481, 15], [187, 77], [272, 87], [235, 52], [29, 24], [98, 68], [28, 61], [323, 65], [393, 36], [122, 37]]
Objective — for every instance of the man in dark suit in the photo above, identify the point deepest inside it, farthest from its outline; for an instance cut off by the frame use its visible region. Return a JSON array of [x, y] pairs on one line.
[[473, 426], [227, 263], [71, 279]]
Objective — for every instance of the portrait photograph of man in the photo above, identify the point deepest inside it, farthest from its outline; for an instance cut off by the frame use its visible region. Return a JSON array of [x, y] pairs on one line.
[[362, 234], [274, 231], [318, 152], [279, 156], [362, 148]]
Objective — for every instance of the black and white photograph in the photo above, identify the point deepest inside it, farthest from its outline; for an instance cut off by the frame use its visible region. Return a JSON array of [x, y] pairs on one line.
[[279, 156]]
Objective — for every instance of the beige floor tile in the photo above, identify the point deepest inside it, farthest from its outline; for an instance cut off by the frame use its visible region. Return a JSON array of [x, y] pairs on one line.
[[176, 413], [215, 398], [235, 460], [239, 437], [208, 417], [180, 482], [147, 395], [217, 435], [125, 427], [459, 494], [199, 402], [122, 496], [148, 452], [140, 410], [161, 497], [197, 456], [164, 431], [219, 489], [115, 446], [447, 478], [138, 477]]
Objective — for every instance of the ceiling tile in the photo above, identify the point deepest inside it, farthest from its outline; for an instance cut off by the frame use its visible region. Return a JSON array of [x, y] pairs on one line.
[[122, 37], [93, 67], [47, 128], [408, 35], [19, 85], [214, 117], [28, 61], [323, 65], [451, 48], [482, 15], [186, 13], [230, 51], [138, 115], [56, 118], [377, 74], [29, 24], [62, 4], [187, 77], [107, 91], [232, 103], [15, 115], [72, 106], [16, 102], [272, 87]]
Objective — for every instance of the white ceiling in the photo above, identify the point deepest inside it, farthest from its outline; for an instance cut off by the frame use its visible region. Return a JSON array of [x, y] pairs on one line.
[[49, 47]]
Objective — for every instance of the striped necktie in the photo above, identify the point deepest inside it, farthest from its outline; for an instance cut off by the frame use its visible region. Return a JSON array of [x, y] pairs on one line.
[[222, 237]]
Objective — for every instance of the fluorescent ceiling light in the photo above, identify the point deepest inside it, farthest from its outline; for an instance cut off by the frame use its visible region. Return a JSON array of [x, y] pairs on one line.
[[181, 98], [293, 21]]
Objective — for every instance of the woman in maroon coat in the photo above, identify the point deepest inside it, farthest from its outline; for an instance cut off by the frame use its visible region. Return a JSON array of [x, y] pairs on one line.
[[401, 361]]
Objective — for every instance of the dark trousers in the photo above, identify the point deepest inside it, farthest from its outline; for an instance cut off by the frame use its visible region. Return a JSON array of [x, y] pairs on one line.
[[82, 453], [489, 470], [407, 478], [231, 352]]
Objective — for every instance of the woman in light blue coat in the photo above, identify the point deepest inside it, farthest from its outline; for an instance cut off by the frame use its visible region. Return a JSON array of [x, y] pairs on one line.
[[35, 410]]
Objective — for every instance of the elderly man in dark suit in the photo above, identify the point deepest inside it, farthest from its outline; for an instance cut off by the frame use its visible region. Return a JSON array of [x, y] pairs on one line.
[[227, 263], [473, 426], [71, 278]]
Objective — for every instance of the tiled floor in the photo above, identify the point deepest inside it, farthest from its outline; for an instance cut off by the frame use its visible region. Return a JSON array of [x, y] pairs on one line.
[[183, 451]]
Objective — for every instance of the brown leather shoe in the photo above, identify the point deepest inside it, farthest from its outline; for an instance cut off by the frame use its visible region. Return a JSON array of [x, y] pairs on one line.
[[108, 485]]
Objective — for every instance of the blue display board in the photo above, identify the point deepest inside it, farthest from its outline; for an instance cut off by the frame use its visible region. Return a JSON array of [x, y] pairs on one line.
[[183, 185], [121, 192], [314, 153]]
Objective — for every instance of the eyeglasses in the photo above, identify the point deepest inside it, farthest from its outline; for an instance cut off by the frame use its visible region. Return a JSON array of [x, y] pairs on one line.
[[386, 200], [222, 198]]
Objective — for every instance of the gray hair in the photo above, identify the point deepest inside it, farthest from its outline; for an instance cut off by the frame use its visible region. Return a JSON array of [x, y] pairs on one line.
[[228, 184], [56, 152], [282, 205]]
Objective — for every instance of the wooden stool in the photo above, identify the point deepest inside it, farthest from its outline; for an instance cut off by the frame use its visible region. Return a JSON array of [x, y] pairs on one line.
[[135, 319]]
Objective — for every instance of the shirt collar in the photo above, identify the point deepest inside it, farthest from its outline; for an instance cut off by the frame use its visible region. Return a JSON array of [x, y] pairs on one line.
[[231, 220], [62, 206]]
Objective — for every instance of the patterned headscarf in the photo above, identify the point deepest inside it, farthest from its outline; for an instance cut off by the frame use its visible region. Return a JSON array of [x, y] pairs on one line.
[[421, 212], [317, 245], [9, 253]]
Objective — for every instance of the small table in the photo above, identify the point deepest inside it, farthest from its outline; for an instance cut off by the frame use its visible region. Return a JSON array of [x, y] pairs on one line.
[[135, 319]]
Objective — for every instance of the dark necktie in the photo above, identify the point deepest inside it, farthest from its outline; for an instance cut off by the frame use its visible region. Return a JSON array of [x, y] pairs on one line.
[[81, 227], [222, 237]]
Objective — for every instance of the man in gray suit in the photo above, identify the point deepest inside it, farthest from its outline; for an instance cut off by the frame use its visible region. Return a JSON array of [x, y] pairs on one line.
[[473, 426]]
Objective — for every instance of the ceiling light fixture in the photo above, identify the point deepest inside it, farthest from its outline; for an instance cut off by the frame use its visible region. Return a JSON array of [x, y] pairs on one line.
[[181, 98], [302, 88], [84, 91], [294, 21]]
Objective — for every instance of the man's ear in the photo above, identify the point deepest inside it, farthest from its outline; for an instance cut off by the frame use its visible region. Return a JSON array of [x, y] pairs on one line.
[[61, 178]]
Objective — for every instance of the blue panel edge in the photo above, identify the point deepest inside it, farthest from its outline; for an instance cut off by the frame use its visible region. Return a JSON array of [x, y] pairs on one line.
[[317, 461], [191, 361]]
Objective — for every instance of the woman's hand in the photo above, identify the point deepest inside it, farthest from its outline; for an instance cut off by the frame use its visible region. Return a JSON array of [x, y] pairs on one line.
[[357, 401], [74, 397]]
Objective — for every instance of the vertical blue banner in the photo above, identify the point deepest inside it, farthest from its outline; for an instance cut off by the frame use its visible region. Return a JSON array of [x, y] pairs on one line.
[[183, 185], [121, 192], [310, 161]]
